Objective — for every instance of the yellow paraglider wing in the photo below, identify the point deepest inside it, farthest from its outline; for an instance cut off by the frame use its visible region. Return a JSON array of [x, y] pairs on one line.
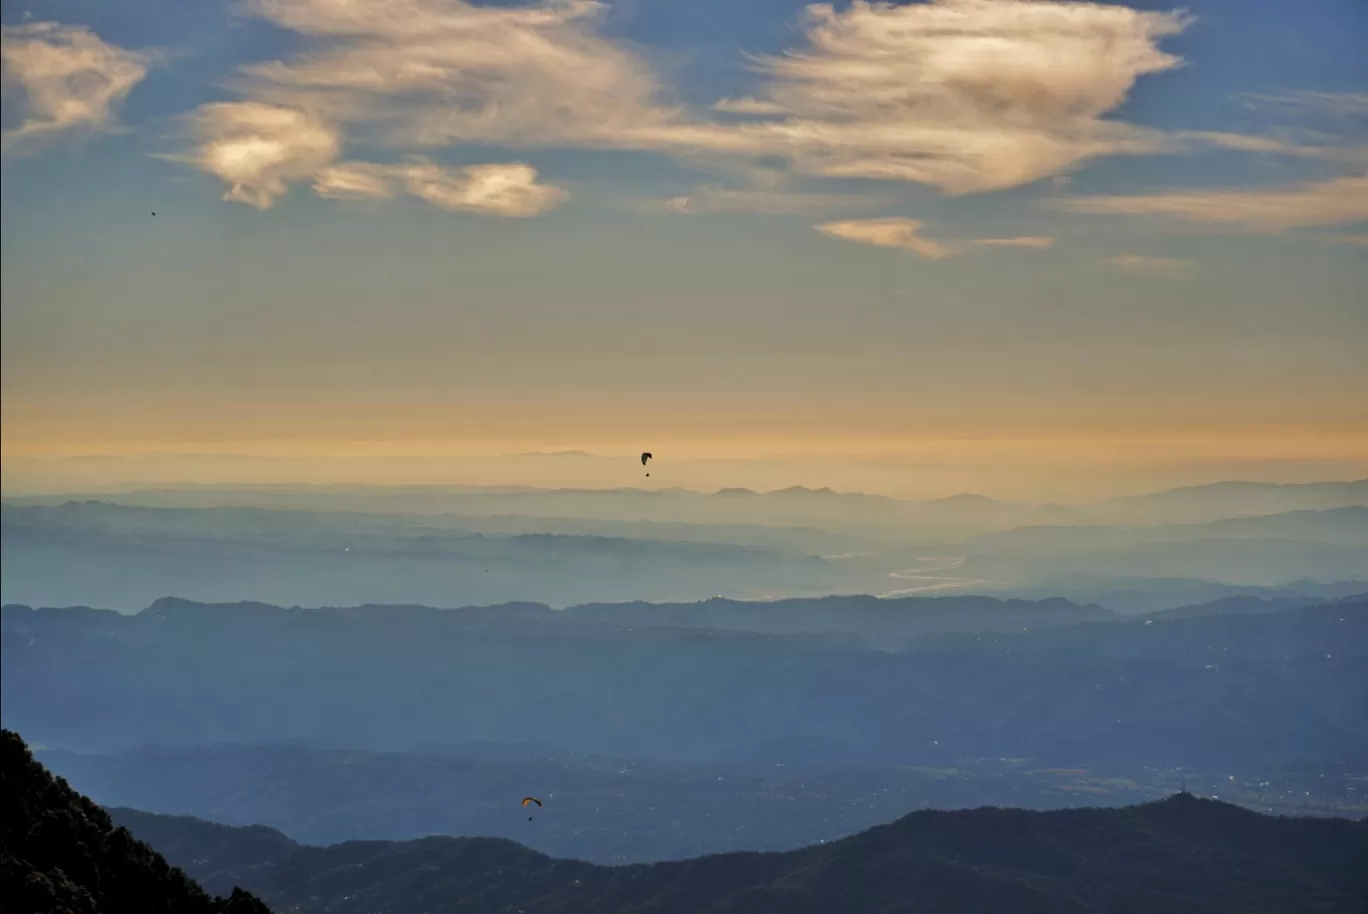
[[527, 800]]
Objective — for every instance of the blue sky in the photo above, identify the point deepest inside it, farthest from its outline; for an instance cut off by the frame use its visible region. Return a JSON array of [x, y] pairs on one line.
[[441, 225]]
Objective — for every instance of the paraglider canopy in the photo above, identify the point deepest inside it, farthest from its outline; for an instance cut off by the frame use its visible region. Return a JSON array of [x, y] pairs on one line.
[[645, 457], [527, 800]]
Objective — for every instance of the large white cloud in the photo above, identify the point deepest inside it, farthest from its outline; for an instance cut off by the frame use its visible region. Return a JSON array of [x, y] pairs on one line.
[[964, 95], [69, 78]]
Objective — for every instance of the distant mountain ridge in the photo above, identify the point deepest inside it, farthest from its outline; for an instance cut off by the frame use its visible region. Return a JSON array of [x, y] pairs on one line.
[[1337, 492], [1347, 524], [393, 677]]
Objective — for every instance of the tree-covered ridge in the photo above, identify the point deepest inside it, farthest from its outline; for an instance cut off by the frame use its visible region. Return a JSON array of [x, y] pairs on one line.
[[62, 854]]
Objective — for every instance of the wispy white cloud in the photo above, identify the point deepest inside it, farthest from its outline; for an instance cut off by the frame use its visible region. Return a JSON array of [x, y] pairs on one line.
[[1167, 267], [1332, 202], [897, 232], [748, 105], [69, 79], [1040, 242], [966, 96], [437, 72], [963, 95], [1336, 103], [419, 74], [505, 189], [887, 233]]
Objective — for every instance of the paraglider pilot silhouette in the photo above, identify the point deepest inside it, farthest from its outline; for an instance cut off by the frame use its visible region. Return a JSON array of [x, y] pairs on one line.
[[645, 457]]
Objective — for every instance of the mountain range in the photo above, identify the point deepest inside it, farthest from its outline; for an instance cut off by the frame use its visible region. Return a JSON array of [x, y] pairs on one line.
[[1256, 689]]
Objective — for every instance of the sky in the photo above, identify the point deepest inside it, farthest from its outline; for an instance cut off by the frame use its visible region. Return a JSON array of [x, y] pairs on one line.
[[1049, 248]]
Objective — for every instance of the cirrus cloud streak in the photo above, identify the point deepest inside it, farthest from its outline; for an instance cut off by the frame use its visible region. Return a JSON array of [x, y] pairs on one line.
[[1338, 201]]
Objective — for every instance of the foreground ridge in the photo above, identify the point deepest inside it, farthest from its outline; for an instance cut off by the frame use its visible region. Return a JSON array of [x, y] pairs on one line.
[[60, 853]]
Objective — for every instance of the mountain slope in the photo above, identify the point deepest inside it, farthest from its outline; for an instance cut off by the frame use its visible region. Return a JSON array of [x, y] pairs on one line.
[[61, 853], [1180, 856]]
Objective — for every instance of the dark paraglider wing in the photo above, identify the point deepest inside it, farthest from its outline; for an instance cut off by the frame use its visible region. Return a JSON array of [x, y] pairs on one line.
[[645, 457]]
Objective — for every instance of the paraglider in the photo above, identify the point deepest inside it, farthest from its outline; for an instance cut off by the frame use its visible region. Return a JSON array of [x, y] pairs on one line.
[[645, 456], [527, 800]]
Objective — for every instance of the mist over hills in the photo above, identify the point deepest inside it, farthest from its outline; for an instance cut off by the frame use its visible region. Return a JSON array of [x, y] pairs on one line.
[[128, 556], [1346, 525], [312, 545], [823, 507]]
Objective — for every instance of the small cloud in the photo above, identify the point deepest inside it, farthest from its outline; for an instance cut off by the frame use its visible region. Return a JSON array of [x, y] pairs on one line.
[[501, 189], [748, 105], [69, 77], [773, 202], [1338, 201], [1039, 242], [355, 181], [505, 189], [887, 233], [258, 150], [1167, 267]]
